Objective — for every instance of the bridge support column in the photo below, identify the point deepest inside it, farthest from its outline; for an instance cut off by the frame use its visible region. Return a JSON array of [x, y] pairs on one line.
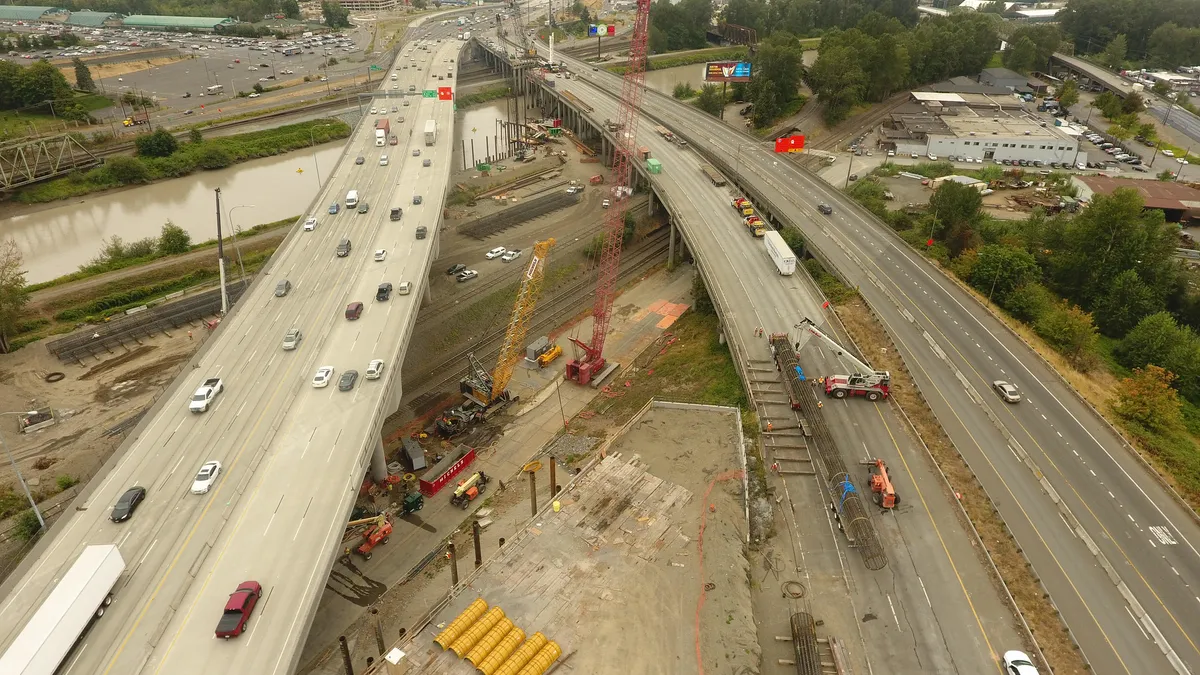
[[650, 204], [671, 246], [379, 472]]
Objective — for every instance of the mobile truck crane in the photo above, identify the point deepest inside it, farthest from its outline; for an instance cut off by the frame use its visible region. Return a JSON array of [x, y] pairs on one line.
[[865, 381], [487, 393]]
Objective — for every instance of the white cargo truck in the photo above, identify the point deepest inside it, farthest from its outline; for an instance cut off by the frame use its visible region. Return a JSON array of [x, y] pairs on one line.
[[81, 595], [781, 254], [430, 132]]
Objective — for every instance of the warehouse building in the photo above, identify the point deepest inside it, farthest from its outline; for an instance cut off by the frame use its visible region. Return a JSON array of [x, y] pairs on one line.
[[370, 5], [33, 14], [89, 19], [978, 128], [1177, 201], [205, 24]]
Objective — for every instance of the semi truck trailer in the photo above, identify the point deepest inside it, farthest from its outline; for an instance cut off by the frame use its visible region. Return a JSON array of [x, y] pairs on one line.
[[430, 132], [781, 254], [383, 127], [80, 597]]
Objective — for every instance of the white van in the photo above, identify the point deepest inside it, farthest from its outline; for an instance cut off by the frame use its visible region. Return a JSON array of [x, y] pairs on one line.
[[352, 199], [395, 76]]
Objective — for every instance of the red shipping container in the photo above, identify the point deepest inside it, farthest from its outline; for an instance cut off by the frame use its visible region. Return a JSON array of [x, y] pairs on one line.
[[445, 471]]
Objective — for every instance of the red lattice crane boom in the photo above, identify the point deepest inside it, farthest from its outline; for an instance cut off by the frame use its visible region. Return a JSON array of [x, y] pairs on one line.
[[633, 85]]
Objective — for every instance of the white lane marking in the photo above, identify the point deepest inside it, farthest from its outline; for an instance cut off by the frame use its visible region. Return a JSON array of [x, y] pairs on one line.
[[147, 553], [1136, 622], [181, 458]]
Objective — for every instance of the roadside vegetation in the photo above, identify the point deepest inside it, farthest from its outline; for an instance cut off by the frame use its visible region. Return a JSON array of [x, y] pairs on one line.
[[159, 155], [485, 95], [24, 321], [1099, 293]]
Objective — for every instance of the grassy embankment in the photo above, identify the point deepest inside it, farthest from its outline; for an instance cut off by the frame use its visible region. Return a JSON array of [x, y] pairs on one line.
[[664, 61], [216, 153], [98, 302], [485, 95], [25, 124]]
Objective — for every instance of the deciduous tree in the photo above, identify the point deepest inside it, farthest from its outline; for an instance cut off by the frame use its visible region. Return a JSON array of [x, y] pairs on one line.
[[83, 76], [173, 239], [1147, 399], [160, 143], [1069, 330], [13, 295]]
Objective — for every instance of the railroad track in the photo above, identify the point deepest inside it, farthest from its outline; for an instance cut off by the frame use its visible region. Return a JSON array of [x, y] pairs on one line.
[[861, 124], [550, 312]]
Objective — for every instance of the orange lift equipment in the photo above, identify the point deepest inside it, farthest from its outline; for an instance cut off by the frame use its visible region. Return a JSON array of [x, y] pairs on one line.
[[881, 483]]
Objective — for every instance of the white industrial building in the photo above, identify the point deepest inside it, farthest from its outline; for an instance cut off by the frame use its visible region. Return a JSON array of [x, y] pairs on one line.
[[979, 128]]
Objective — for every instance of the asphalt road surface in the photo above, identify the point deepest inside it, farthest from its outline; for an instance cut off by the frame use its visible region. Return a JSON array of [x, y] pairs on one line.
[[294, 456], [1142, 617], [945, 630]]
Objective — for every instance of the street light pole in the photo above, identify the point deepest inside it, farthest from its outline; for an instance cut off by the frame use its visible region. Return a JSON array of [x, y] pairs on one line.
[[21, 479], [312, 137], [236, 248]]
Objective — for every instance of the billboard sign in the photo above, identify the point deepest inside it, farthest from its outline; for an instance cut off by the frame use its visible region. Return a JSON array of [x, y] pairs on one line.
[[789, 144], [601, 30], [727, 71]]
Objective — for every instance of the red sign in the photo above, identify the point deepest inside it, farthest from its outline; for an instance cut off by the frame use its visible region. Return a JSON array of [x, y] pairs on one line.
[[445, 94], [612, 30], [789, 144]]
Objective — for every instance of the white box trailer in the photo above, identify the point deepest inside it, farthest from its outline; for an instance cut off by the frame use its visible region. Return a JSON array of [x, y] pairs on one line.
[[81, 595], [430, 132], [781, 254]]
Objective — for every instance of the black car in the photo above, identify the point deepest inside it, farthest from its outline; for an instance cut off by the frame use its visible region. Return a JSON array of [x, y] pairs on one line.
[[346, 383], [397, 213], [825, 208], [360, 159], [455, 269], [384, 291], [127, 504]]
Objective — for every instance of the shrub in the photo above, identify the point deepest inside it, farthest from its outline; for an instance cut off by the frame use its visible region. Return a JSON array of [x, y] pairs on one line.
[[127, 170], [27, 525], [173, 239], [211, 157], [157, 144], [66, 482]]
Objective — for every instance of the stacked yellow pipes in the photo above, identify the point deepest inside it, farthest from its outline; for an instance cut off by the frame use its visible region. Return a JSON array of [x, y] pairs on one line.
[[461, 623]]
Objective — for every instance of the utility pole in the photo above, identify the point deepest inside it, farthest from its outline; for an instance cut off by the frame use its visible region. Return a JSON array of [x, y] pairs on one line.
[[221, 258]]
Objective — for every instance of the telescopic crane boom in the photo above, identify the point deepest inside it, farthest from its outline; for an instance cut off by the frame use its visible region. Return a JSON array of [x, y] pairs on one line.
[[864, 381]]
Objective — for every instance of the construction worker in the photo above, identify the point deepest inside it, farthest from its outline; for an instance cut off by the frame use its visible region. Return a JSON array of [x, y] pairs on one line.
[[770, 426]]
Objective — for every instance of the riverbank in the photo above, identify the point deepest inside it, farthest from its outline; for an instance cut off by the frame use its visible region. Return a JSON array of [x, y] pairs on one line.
[[187, 158], [102, 291]]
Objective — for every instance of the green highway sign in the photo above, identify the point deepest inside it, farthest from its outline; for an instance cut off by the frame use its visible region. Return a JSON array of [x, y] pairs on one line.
[[375, 67], [429, 93]]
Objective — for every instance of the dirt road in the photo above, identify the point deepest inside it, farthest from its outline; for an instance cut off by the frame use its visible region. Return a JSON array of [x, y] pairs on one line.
[[48, 295]]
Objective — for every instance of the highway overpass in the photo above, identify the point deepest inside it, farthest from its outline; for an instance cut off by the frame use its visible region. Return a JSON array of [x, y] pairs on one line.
[[1112, 545], [948, 633], [294, 456]]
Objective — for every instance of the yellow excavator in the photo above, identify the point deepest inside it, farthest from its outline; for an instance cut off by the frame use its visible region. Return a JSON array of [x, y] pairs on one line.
[[487, 393]]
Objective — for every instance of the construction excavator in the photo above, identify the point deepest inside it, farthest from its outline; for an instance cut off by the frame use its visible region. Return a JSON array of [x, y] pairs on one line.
[[371, 532], [487, 393]]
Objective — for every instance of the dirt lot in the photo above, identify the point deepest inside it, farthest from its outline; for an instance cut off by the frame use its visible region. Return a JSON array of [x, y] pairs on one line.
[[651, 537], [90, 400]]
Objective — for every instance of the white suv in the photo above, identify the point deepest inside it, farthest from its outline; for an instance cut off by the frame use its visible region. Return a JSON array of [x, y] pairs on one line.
[[310, 224]]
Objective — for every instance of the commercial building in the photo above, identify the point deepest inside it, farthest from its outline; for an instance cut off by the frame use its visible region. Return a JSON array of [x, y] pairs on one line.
[[978, 128], [205, 24], [30, 14], [89, 19], [1013, 81], [1178, 202]]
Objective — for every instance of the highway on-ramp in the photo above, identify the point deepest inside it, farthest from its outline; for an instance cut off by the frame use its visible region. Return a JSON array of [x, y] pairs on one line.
[[293, 455], [1059, 475]]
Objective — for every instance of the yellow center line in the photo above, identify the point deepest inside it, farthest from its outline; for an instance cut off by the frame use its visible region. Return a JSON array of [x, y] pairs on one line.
[[962, 585]]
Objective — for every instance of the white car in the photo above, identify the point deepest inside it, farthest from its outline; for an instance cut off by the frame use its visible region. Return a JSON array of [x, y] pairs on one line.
[[206, 477], [496, 253], [510, 256], [254, 95], [374, 111], [1018, 663], [1008, 392], [310, 224], [1168, 153], [380, 255], [375, 369], [383, 160], [323, 376], [405, 288]]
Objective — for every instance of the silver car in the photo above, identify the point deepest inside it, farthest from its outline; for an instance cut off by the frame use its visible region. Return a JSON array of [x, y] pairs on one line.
[[1007, 391], [291, 339]]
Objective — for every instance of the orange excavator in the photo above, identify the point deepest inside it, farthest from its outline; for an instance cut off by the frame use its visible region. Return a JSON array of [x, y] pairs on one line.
[[881, 484]]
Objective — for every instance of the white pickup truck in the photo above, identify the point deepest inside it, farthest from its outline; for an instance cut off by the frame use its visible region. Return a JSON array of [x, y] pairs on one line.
[[205, 395]]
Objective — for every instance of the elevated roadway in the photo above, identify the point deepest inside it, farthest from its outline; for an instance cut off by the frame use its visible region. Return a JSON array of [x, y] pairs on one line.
[[1113, 547], [962, 626], [294, 456]]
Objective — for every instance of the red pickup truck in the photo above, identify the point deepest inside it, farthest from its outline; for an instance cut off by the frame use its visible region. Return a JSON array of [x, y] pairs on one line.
[[238, 609]]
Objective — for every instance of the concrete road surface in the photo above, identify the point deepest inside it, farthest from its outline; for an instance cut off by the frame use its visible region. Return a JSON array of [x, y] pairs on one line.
[[294, 456], [1138, 614]]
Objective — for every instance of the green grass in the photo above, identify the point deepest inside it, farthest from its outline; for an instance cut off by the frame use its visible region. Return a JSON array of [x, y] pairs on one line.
[[664, 61], [997, 60], [125, 263], [14, 125], [216, 153], [484, 96]]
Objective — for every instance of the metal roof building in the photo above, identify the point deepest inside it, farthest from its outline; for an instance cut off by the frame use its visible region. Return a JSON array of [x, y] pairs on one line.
[[26, 13], [89, 19], [1177, 201], [189, 23]]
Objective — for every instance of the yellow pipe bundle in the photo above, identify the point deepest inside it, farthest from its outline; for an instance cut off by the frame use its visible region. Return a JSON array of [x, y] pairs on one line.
[[507, 645], [542, 661], [477, 630], [461, 623], [523, 655], [489, 641]]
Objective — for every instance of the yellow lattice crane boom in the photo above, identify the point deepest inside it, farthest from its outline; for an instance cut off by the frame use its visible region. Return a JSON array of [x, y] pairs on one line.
[[491, 388]]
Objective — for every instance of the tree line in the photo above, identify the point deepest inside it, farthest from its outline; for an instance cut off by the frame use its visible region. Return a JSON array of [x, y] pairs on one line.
[[1142, 26], [811, 17], [38, 87]]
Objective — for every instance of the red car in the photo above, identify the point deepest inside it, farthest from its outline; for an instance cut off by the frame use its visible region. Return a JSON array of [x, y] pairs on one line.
[[238, 609]]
